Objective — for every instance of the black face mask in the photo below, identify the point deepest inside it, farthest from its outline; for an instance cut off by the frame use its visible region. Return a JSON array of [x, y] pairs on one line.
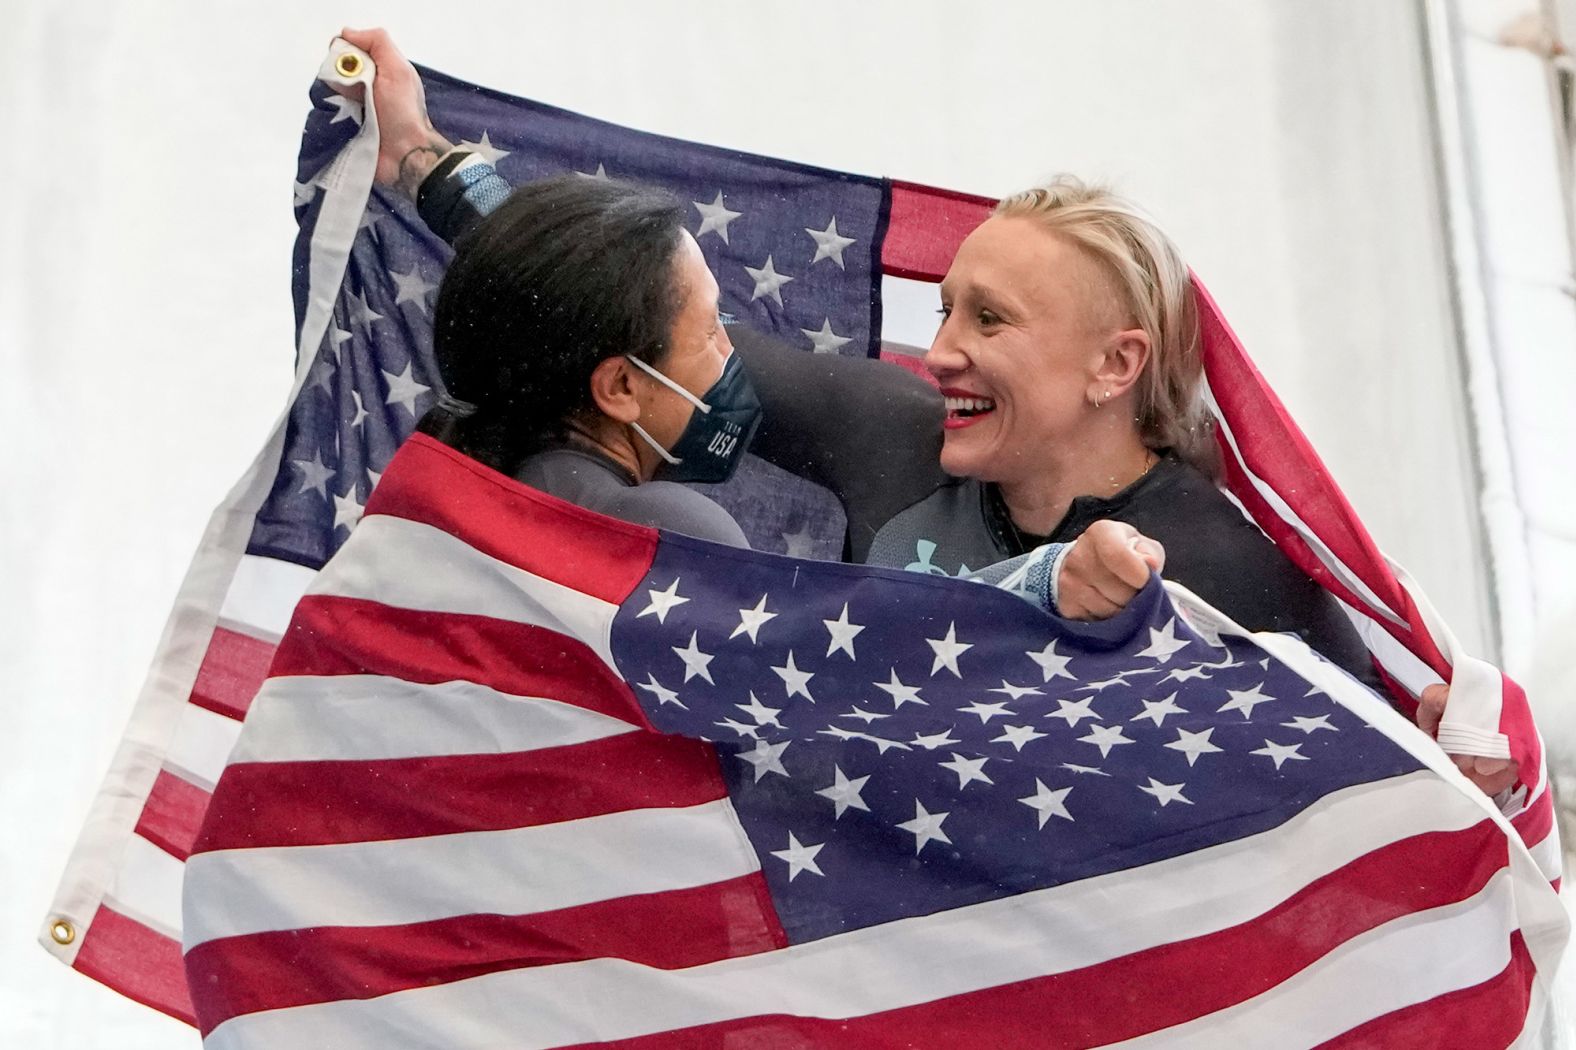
[[719, 430]]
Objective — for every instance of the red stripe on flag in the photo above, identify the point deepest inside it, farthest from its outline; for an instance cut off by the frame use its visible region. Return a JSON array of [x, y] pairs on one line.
[[173, 813], [233, 669], [1159, 988], [315, 803], [678, 928], [136, 961], [333, 636], [596, 555], [1275, 449], [925, 227], [1536, 821], [1490, 1014]]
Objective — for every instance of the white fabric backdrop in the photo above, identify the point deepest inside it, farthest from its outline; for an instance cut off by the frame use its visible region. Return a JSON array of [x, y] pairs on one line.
[[145, 227]]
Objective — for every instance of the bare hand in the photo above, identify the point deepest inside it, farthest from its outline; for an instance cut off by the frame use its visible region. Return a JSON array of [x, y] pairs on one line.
[[1108, 564], [1491, 775], [408, 147]]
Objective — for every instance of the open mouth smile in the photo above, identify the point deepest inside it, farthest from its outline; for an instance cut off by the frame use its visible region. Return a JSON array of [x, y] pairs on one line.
[[965, 408]]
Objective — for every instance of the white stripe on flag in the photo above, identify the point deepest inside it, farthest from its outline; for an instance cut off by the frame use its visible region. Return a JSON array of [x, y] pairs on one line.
[[203, 741], [411, 565], [908, 313], [263, 594], [520, 871], [1283, 509], [1404, 962], [346, 717], [897, 964], [148, 887]]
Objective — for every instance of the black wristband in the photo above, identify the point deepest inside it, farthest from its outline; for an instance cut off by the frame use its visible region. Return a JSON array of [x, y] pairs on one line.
[[451, 160]]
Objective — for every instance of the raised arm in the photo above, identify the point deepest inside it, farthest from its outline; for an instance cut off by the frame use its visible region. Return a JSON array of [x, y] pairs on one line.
[[867, 431]]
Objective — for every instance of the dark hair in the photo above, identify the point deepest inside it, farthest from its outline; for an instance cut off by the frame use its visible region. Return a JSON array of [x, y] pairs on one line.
[[564, 274]]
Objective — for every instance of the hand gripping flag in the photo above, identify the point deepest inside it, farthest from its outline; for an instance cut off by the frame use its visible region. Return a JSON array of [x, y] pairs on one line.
[[526, 776], [365, 271]]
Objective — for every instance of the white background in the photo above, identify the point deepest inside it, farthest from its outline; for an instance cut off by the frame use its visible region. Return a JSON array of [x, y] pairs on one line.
[[145, 232]]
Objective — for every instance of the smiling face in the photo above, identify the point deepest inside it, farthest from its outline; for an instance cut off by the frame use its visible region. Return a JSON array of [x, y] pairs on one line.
[[1026, 320]]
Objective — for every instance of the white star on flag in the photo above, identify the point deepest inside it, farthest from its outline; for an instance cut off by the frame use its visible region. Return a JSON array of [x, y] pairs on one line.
[[925, 827], [1017, 736], [360, 313], [985, 711], [753, 732], [1156, 710], [824, 340], [844, 793], [714, 218], [404, 390], [663, 694], [932, 741], [750, 620], [767, 281], [663, 602], [412, 287], [1048, 803], [695, 661], [829, 244], [485, 149], [843, 633], [1183, 674], [361, 410], [315, 476], [799, 857], [864, 716], [347, 509], [1074, 711], [1015, 692], [1166, 793], [766, 758], [1281, 753], [1052, 665], [1193, 744], [1105, 738], [336, 337], [1244, 700], [968, 770], [1076, 768], [763, 715], [947, 651], [794, 679], [344, 108], [1163, 644], [1310, 725], [901, 694]]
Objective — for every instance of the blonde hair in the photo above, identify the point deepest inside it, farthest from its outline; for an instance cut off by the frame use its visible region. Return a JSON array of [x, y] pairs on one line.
[[1155, 290]]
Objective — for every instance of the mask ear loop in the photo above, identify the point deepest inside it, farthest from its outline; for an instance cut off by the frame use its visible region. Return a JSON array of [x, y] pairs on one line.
[[667, 456], [700, 405]]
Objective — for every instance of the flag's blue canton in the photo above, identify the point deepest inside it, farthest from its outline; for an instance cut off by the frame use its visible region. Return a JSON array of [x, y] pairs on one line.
[[374, 374], [795, 249], [897, 745]]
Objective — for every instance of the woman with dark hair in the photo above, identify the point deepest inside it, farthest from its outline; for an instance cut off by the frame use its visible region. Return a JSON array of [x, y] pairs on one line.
[[578, 338]]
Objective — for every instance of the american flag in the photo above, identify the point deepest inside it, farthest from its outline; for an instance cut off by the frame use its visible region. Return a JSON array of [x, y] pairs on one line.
[[365, 272], [578, 783]]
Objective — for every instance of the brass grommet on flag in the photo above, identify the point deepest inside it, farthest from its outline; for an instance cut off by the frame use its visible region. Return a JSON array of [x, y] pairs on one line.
[[349, 65], [62, 932]]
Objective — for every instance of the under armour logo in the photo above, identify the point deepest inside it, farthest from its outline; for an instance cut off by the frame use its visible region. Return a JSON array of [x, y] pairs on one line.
[[924, 550]]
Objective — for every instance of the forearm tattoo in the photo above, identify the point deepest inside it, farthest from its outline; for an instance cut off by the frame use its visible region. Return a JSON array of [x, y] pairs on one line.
[[418, 161]]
